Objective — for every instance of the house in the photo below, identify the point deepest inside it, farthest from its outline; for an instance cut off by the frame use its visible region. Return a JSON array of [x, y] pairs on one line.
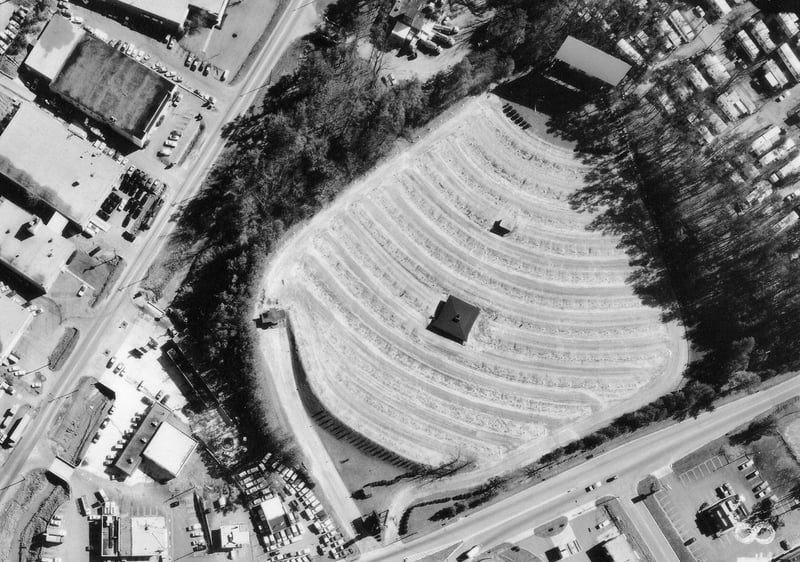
[[454, 319]]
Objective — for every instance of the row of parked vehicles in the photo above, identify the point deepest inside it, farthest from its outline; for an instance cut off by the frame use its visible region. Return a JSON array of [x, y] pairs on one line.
[[13, 28]]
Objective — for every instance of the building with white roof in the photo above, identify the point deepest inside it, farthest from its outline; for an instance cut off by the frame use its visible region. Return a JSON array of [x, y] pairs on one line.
[[169, 449], [787, 22]]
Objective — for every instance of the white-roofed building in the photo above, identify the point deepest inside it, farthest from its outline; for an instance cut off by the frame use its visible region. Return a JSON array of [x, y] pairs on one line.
[[774, 76], [789, 59], [748, 46], [715, 69], [787, 22], [696, 79], [169, 449], [273, 513], [761, 34]]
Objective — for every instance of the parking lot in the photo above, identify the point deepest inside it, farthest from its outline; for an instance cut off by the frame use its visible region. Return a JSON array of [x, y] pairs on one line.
[[684, 493]]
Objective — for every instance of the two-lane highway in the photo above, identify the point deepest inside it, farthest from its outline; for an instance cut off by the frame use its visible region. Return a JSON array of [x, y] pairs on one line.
[[630, 462]]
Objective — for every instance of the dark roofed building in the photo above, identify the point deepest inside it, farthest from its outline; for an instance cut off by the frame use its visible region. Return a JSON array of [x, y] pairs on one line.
[[271, 318], [113, 88], [455, 319], [589, 61]]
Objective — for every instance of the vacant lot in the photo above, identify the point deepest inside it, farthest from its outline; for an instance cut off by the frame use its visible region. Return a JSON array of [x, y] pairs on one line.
[[561, 342]]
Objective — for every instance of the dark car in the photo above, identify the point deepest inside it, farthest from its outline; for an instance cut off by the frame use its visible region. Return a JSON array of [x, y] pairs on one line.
[[689, 541]]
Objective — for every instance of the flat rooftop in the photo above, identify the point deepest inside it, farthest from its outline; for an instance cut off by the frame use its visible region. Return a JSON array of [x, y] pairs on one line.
[[148, 536], [174, 11], [76, 177], [31, 248], [592, 61], [131, 456], [109, 84], [169, 448], [54, 46], [15, 321]]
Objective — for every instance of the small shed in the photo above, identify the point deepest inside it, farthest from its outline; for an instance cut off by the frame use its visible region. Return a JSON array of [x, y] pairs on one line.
[[501, 229], [272, 317], [454, 319]]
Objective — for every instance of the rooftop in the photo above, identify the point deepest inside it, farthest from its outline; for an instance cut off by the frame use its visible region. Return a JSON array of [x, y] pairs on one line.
[[455, 319], [15, 320], [592, 61], [30, 247], [148, 536], [174, 11], [169, 448], [53, 47], [231, 536], [77, 176], [106, 82], [274, 514], [131, 456]]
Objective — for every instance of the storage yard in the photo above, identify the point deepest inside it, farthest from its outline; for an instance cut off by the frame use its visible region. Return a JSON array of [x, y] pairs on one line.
[[560, 342]]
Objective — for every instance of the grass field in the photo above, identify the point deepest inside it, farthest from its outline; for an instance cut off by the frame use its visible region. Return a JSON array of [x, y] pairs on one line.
[[561, 343]]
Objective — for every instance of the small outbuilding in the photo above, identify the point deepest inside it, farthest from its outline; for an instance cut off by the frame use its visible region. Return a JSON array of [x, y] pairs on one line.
[[454, 319], [500, 229], [271, 318]]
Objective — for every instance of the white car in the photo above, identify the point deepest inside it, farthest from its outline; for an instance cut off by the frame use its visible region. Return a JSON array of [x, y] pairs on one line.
[[594, 486]]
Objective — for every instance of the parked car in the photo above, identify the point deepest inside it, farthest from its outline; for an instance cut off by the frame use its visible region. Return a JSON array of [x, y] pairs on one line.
[[754, 474], [194, 527], [81, 291], [196, 534], [747, 464], [594, 486], [111, 361]]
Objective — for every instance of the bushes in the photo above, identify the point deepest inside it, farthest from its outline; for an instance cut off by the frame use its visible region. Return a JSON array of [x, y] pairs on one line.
[[63, 349]]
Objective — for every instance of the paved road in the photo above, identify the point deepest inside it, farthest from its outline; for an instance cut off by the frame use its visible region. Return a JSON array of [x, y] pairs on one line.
[[277, 356], [110, 313], [631, 462]]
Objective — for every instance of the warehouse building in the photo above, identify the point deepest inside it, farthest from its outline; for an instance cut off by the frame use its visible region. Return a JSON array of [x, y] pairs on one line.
[[168, 451], [576, 60], [77, 177], [30, 249], [122, 537], [102, 82], [168, 15], [161, 445]]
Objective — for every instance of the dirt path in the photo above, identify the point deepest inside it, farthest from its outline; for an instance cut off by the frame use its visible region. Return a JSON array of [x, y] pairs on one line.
[[561, 345]]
